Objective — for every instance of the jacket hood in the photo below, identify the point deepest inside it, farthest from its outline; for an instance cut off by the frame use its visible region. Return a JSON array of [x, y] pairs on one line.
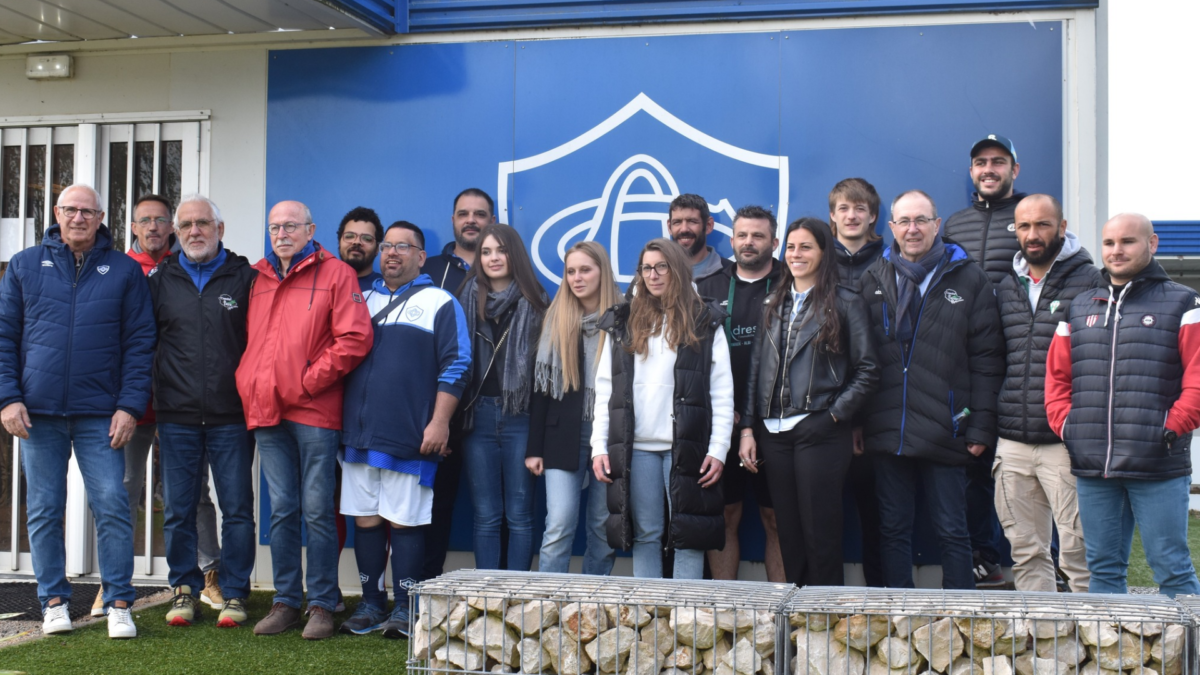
[[448, 249], [996, 204], [173, 245], [709, 266], [53, 238], [868, 250], [380, 286], [1071, 246]]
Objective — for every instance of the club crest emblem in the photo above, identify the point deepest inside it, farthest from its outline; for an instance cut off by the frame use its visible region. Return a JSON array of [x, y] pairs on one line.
[[228, 302], [953, 297], [413, 313], [47, 263], [1054, 306], [357, 297], [1012, 227], [103, 269], [1149, 320], [1091, 320]]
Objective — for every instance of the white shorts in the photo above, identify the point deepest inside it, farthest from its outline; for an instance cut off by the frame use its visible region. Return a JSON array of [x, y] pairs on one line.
[[397, 497]]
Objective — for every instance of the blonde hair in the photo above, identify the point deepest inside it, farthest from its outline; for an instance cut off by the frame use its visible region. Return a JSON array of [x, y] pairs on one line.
[[674, 314], [566, 312]]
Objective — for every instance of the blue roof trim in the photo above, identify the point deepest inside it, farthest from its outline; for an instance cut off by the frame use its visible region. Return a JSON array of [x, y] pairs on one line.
[[1178, 237], [442, 15], [388, 16]]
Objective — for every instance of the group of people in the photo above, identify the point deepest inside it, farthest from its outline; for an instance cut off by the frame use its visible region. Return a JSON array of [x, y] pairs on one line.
[[984, 365]]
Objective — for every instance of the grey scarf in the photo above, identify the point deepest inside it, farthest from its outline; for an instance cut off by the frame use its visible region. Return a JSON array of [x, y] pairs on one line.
[[548, 371], [522, 329]]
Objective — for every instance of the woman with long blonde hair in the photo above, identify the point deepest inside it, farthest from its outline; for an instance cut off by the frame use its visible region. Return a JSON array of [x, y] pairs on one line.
[[664, 413], [560, 416]]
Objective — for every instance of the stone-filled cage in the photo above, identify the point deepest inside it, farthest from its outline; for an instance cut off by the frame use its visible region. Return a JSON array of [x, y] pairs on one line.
[[870, 631], [477, 621]]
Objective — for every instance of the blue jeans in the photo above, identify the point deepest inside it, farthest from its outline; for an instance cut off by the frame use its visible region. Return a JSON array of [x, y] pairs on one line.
[[562, 516], [1108, 509], [44, 458], [649, 488], [945, 487], [299, 463], [501, 486], [230, 453]]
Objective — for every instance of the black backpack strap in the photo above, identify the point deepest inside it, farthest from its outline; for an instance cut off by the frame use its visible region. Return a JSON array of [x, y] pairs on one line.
[[396, 302]]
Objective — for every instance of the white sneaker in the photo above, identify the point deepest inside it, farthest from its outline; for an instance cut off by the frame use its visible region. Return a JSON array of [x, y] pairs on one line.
[[57, 619], [120, 623]]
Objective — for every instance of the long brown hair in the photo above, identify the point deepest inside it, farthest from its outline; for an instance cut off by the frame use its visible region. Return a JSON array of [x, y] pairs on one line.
[[674, 314], [519, 267], [566, 312], [823, 296]]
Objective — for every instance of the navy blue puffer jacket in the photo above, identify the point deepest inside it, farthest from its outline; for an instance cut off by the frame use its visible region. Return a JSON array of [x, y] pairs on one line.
[[75, 343]]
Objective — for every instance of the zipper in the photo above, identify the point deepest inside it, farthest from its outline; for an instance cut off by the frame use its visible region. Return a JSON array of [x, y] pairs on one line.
[[71, 326], [786, 352], [953, 417], [886, 326], [907, 360], [808, 397], [832, 372], [203, 356], [986, 227], [774, 374], [1112, 376]]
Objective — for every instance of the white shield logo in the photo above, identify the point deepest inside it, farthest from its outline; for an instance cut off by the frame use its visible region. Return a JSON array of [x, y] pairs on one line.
[[638, 190], [103, 269]]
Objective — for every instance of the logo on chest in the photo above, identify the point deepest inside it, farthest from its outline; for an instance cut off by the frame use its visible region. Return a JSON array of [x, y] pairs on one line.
[[1149, 320], [1091, 320], [103, 269], [228, 302], [953, 297], [413, 313]]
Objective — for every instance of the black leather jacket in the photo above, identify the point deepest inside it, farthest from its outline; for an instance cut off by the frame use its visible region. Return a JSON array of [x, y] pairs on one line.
[[839, 382]]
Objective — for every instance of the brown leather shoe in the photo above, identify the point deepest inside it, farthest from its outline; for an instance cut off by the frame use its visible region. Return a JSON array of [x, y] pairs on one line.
[[280, 618], [320, 624]]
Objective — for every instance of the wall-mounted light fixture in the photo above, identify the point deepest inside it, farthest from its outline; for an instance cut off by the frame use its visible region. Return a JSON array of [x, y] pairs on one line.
[[48, 67]]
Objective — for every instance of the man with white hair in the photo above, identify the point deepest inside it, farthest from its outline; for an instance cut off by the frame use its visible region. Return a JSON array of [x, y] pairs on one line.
[[76, 343], [200, 299]]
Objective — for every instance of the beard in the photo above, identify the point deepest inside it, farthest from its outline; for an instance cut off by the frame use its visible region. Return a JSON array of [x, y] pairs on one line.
[[756, 263], [1002, 189], [697, 246], [359, 264], [464, 243], [1048, 254]]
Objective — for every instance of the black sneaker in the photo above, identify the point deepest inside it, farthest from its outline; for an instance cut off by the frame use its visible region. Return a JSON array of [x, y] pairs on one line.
[[366, 619], [1061, 581], [396, 627], [987, 574]]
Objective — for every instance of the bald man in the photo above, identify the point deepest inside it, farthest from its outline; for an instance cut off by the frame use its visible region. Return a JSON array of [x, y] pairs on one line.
[[1123, 392], [307, 328]]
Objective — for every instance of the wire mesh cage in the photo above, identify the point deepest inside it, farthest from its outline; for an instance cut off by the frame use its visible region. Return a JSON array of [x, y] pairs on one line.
[[867, 631], [1191, 604], [476, 621]]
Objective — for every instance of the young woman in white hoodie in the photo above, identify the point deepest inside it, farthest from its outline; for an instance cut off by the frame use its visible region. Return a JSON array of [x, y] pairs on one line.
[[663, 417]]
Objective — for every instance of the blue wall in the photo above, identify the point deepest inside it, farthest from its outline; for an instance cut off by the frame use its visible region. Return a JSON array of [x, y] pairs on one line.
[[403, 129]]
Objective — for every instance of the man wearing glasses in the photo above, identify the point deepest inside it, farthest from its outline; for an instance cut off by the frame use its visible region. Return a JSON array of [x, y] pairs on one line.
[[936, 327], [154, 240], [359, 235], [76, 344], [395, 437], [200, 302], [307, 329]]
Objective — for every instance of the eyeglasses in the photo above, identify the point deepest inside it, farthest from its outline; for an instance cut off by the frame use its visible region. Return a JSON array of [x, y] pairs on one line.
[[402, 249], [202, 224], [662, 269], [147, 222], [88, 214], [288, 227], [353, 236], [919, 221]]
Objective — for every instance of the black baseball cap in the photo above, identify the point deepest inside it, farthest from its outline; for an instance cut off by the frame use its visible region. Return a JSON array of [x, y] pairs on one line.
[[994, 141]]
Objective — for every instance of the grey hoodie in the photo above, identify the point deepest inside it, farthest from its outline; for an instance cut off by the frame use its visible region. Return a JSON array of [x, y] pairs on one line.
[[1071, 246]]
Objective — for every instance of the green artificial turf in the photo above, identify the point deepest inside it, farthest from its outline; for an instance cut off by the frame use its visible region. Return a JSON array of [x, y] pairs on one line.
[[204, 648]]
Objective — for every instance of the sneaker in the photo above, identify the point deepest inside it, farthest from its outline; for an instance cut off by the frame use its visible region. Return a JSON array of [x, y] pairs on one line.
[[57, 619], [233, 613], [184, 611], [120, 623], [280, 618], [211, 595], [397, 624], [341, 604], [320, 624], [987, 574], [98, 603], [367, 618]]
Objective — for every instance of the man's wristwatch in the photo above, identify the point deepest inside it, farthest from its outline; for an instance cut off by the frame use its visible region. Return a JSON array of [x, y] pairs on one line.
[[1169, 437]]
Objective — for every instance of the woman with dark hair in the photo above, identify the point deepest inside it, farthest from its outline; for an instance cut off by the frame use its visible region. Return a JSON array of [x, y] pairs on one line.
[[812, 367], [504, 305], [663, 417]]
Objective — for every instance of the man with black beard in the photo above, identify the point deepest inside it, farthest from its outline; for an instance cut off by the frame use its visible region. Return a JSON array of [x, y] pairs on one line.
[[743, 289], [1034, 487], [689, 224], [985, 231], [359, 235]]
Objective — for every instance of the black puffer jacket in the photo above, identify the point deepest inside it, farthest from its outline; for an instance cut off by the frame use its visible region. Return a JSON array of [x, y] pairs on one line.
[[839, 382], [851, 266], [1126, 375], [202, 336], [1022, 413], [940, 396], [697, 514], [985, 231]]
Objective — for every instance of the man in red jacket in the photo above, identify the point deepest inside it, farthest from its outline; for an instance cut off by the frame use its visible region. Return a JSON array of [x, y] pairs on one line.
[[307, 329]]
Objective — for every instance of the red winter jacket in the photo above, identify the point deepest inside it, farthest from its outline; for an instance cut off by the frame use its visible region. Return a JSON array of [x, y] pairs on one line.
[[147, 264], [306, 332]]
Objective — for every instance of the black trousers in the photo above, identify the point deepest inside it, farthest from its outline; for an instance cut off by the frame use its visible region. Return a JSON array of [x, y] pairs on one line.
[[445, 491], [861, 482], [806, 469]]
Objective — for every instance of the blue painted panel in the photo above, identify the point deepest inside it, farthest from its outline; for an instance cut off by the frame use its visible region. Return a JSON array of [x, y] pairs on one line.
[[1178, 237], [439, 15], [550, 124]]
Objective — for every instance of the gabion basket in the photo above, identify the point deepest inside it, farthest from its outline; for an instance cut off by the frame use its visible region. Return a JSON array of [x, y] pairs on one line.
[[1191, 604], [867, 631], [474, 621]]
